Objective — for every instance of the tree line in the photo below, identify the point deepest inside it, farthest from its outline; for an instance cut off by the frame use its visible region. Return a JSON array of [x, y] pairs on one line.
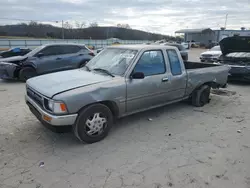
[[79, 31]]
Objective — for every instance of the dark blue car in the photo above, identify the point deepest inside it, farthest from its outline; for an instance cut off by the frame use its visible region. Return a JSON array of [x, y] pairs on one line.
[[45, 59]]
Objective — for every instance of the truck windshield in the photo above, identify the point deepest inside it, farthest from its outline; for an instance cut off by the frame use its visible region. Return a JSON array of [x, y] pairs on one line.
[[114, 60]]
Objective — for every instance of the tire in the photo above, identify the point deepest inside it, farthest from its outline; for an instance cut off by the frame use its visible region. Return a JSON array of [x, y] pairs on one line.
[[91, 135], [26, 73], [200, 97]]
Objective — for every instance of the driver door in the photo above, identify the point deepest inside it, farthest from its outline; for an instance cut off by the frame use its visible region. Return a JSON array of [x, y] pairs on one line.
[[49, 60], [152, 90]]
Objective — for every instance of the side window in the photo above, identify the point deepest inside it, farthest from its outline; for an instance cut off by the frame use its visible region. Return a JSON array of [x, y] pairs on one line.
[[51, 50], [174, 61], [68, 49], [151, 63]]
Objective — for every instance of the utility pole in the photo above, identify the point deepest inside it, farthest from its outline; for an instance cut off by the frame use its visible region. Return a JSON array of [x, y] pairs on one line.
[[62, 30], [225, 26]]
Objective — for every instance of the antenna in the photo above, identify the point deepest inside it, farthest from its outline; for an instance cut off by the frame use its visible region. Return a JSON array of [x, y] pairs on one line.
[[226, 22]]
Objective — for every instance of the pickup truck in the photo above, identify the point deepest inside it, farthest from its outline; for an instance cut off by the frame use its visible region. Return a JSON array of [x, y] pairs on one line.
[[119, 81]]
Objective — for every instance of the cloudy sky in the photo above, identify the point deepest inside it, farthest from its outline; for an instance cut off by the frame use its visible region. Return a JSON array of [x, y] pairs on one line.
[[160, 16]]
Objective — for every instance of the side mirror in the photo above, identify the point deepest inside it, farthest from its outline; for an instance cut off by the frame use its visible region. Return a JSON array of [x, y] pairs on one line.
[[39, 55], [138, 75]]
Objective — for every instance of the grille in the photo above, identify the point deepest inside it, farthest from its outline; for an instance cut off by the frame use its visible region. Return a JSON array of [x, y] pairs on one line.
[[35, 96]]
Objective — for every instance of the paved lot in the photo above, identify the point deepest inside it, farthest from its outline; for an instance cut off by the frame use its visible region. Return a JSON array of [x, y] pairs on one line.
[[182, 146]]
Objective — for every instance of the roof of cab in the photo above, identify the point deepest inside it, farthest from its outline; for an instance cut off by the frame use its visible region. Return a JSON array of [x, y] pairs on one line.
[[142, 47], [65, 44]]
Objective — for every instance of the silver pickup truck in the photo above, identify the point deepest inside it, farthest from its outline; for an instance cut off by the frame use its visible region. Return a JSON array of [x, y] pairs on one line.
[[119, 81]]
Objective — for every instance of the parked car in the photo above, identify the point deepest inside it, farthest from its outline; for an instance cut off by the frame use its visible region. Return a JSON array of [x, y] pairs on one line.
[[211, 55], [45, 59], [120, 81], [185, 44], [181, 48], [14, 52], [236, 54]]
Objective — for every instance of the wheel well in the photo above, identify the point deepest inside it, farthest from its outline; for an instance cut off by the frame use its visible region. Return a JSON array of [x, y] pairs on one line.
[[211, 84], [18, 70], [110, 104]]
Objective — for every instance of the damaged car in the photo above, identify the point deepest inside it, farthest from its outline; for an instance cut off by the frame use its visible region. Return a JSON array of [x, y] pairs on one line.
[[236, 54], [45, 59]]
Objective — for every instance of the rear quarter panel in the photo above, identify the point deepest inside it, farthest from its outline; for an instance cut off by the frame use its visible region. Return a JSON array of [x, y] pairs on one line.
[[197, 77]]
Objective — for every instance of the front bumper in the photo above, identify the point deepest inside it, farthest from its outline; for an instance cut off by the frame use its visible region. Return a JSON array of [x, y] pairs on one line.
[[45, 117], [7, 70]]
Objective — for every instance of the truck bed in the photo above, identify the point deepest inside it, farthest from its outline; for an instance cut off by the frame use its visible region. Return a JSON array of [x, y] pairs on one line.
[[197, 65], [200, 73]]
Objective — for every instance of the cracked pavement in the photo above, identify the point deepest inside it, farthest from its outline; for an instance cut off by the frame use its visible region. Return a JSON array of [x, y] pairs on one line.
[[180, 146]]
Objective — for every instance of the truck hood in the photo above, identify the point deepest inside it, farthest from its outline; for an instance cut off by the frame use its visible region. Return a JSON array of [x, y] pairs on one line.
[[54, 83], [235, 44], [14, 59]]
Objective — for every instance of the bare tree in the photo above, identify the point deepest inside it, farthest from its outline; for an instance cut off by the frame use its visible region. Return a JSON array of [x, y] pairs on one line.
[[67, 25], [80, 25], [93, 24], [126, 26]]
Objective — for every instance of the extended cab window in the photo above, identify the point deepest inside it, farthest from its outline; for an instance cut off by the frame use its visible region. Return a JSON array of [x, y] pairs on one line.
[[175, 63], [151, 63]]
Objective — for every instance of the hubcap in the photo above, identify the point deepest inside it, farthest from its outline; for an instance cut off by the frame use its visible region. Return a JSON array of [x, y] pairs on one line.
[[95, 124]]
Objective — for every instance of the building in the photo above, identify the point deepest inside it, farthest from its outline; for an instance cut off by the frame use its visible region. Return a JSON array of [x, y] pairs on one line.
[[207, 36]]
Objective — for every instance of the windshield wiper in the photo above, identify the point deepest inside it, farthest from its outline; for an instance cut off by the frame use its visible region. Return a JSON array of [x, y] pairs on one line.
[[104, 70]]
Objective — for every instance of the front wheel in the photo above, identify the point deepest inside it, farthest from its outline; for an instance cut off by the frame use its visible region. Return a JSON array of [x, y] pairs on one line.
[[200, 97], [93, 123], [26, 73]]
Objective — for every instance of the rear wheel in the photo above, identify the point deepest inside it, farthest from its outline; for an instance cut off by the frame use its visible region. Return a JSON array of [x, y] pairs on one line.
[[26, 73], [93, 123], [200, 97]]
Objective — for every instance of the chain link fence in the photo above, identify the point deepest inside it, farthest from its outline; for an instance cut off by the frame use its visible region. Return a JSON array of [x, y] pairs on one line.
[[32, 43]]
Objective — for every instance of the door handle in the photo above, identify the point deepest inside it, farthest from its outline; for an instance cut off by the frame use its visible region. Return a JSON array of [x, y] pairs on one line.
[[80, 54], [58, 58], [164, 79]]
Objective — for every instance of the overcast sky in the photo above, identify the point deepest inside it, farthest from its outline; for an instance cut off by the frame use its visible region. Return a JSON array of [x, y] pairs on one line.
[[160, 16]]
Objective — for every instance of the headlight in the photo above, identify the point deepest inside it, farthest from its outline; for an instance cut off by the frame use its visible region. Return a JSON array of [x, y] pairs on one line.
[[56, 107]]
